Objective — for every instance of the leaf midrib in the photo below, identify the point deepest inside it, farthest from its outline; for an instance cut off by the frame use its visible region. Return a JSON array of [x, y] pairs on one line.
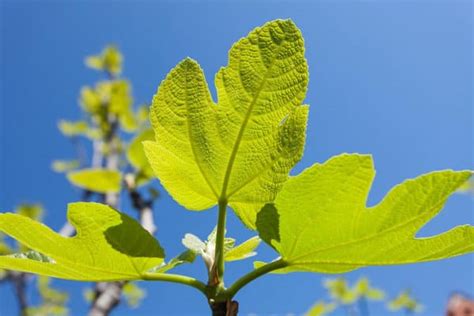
[[238, 140]]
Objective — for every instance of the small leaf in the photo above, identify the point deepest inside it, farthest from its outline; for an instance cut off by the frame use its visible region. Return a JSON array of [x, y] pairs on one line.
[[243, 251], [321, 308], [48, 294], [405, 301], [324, 224], [69, 128], [90, 100], [33, 211], [109, 246], [193, 243], [136, 156], [187, 256], [110, 60], [97, 180], [363, 289], [65, 165], [340, 291], [241, 149], [133, 294]]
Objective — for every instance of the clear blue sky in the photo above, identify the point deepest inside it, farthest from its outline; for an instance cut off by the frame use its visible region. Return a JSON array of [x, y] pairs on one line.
[[390, 78]]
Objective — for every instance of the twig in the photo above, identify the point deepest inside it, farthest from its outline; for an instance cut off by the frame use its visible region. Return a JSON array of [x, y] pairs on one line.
[[142, 206], [19, 282], [107, 295]]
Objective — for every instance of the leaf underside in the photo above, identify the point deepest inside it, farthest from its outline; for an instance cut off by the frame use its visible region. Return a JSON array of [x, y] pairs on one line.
[[324, 224], [109, 245], [241, 149]]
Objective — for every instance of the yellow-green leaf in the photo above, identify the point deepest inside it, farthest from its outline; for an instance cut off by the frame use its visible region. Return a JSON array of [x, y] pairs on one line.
[[243, 251], [187, 256], [324, 225], [109, 245], [110, 60], [65, 165], [136, 155], [90, 100], [69, 128], [321, 308], [364, 289], [34, 211], [97, 180], [405, 301], [133, 294], [241, 149], [340, 291]]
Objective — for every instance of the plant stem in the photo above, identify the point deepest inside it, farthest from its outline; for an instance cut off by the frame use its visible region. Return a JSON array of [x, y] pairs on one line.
[[176, 278], [217, 276], [240, 283]]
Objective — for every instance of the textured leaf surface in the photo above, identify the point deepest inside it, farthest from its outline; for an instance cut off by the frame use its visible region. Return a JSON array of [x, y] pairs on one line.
[[242, 148], [97, 180], [324, 224], [108, 246]]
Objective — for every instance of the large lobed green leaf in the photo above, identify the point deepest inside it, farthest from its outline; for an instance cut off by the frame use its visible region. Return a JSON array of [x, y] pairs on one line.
[[108, 246], [241, 149], [320, 221]]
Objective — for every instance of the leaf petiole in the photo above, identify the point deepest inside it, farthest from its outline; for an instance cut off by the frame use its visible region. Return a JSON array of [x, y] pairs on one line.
[[176, 278], [249, 277], [217, 272]]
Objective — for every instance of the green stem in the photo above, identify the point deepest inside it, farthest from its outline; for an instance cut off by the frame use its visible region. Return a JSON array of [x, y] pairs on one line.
[[240, 283], [176, 278], [219, 251]]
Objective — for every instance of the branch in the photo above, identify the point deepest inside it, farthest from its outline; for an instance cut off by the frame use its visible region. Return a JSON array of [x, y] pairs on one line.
[[19, 283], [142, 206], [107, 297], [108, 294]]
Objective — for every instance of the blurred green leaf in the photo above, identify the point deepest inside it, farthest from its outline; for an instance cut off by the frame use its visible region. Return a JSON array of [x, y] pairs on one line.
[[362, 288], [69, 128], [97, 180], [133, 294], [65, 165], [33, 211], [136, 156], [321, 308], [110, 60], [405, 301], [340, 291]]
